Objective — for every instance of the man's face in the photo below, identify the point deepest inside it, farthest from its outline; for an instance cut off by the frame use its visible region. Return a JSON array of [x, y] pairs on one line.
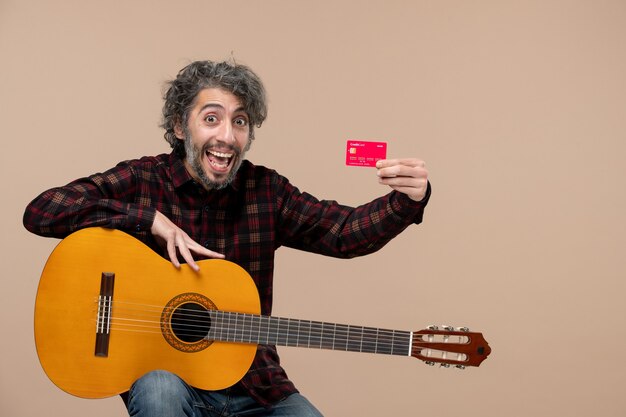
[[216, 137]]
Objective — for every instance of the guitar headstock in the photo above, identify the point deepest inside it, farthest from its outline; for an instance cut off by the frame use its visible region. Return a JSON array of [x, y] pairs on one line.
[[450, 346]]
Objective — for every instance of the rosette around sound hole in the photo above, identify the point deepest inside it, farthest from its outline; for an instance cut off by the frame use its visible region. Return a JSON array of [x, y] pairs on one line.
[[185, 322]]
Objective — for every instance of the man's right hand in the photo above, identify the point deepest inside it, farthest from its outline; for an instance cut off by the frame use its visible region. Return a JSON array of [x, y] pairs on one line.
[[178, 242]]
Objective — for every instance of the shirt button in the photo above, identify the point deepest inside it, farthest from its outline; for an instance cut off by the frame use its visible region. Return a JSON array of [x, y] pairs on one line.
[[206, 208]]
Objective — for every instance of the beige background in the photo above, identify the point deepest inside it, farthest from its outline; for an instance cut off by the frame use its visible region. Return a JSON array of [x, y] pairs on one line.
[[518, 107]]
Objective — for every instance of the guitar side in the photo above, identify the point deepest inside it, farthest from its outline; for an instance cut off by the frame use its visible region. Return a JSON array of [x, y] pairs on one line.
[[66, 310]]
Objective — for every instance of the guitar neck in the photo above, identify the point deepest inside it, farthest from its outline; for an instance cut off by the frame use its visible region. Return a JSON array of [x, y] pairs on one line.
[[251, 328]]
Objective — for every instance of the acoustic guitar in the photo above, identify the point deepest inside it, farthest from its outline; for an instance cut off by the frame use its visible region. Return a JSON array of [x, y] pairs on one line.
[[109, 309]]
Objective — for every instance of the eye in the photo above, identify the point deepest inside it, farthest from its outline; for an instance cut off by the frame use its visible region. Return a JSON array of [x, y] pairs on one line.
[[241, 121], [210, 118]]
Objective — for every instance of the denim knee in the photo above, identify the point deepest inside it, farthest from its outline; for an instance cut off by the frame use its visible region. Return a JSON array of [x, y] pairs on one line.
[[159, 393], [163, 381]]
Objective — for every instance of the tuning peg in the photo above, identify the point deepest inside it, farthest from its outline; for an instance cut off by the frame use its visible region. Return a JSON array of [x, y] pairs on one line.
[[433, 327], [448, 328], [463, 329], [460, 366], [430, 363], [445, 365]]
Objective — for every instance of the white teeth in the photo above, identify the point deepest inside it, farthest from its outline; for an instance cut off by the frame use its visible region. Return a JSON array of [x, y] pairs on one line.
[[219, 165], [221, 154]]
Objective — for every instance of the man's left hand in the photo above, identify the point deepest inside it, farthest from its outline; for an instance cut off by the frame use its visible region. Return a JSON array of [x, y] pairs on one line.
[[408, 176]]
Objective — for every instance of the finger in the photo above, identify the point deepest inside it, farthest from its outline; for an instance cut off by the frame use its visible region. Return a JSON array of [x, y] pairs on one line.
[[400, 181], [198, 249], [403, 171], [411, 167], [190, 247], [171, 251], [414, 188], [413, 162], [185, 252], [214, 255]]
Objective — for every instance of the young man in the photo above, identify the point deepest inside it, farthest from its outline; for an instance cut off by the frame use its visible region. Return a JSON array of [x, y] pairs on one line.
[[204, 200]]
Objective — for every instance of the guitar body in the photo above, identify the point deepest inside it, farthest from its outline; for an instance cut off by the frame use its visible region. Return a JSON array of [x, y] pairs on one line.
[[67, 309]]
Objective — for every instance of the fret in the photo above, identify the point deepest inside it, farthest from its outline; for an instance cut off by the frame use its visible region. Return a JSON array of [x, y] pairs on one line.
[[287, 333], [245, 328], [258, 334], [253, 328], [354, 338], [235, 327], [304, 333], [393, 340], [244, 331], [229, 325], [240, 328], [322, 336], [292, 332], [327, 336], [278, 339], [384, 344], [340, 341], [370, 340], [268, 330], [298, 332], [315, 334], [226, 325], [272, 331], [264, 329]]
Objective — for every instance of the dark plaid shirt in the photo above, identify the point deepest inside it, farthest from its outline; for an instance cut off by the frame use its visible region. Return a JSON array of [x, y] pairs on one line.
[[247, 221]]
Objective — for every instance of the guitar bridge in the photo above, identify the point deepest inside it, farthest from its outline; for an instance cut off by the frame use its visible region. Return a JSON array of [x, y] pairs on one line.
[[103, 322]]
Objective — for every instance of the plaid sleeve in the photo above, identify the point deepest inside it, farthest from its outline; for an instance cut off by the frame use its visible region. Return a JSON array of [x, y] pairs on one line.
[[329, 228], [105, 199]]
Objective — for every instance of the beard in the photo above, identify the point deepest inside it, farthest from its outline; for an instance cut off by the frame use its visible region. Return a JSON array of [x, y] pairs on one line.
[[194, 160]]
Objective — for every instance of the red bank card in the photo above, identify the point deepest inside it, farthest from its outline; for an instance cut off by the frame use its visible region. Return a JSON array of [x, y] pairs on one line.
[[361, 153]]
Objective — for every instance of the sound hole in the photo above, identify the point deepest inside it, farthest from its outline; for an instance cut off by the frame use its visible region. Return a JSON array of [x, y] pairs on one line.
[[190, 322], [185, 322]]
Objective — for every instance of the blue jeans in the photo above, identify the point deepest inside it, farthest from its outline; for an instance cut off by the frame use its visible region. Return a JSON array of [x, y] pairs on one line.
[[163, 394]]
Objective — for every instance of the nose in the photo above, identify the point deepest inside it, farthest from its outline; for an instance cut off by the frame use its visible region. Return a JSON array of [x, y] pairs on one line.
[[225, 133]]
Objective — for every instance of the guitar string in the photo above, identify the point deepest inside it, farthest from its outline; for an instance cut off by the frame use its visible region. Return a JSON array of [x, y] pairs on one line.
[[202, 319], [259, 333], [432, 353], [314, 325], [252, 333], [371, 337], [154, 327]]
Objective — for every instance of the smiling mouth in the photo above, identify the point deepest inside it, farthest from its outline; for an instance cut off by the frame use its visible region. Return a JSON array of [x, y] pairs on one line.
[[219, 161]]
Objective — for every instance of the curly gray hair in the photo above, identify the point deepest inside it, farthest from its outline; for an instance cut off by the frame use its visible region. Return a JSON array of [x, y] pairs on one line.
[[235, 78]]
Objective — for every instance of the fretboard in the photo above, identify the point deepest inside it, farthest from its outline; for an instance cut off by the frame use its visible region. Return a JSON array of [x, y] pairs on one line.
[[251, 328]]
